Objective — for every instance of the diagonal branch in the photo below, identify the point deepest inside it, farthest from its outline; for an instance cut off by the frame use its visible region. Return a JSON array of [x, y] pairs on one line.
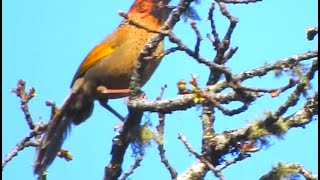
[[25, 142]]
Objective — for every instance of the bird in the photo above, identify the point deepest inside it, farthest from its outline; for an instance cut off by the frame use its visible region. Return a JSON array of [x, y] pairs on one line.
[[104, 74]]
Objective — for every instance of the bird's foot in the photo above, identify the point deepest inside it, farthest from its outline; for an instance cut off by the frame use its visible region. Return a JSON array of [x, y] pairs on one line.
[[142, 96]]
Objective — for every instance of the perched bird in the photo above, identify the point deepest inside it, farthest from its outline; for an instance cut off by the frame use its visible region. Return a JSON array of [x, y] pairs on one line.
[[104, 74]]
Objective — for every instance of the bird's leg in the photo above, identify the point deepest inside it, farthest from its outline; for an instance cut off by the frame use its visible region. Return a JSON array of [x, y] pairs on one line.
[[104, 90], [109, 108]]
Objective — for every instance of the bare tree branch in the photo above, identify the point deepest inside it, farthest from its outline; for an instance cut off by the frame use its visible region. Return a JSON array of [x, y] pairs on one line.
[[132, 168], [200, 157], [25, 142], [24, 99]]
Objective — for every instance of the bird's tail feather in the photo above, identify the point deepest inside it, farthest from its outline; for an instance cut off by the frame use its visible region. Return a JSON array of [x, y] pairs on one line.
[[76, 109]]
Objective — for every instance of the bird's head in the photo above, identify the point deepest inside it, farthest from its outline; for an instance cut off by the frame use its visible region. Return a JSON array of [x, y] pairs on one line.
[[157, 9]]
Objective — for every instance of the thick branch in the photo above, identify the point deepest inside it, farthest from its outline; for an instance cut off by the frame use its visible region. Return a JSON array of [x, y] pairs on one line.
[[121, 142]]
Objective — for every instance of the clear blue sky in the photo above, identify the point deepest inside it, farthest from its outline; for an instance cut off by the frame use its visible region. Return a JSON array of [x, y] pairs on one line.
[[45, 41]]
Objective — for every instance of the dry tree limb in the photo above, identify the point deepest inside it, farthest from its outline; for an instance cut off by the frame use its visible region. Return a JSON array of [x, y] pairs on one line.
[[25, 142], [25, 97]]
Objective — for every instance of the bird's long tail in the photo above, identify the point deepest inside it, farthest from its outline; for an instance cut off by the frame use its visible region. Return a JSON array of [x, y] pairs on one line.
[[76, 109]]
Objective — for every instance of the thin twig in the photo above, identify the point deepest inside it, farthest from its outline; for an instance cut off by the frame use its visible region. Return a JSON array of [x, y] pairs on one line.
[[54, 108], [132, 167], [223, 55], [233, 161], [25, 142], [228, 112], [214, 32], [294, 96], [24, 99], [199, 38], [200, 157], [160, 129]]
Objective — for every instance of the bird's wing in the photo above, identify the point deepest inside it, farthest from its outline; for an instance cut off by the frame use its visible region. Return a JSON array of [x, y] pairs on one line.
[[97, 53], [103, 49]]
